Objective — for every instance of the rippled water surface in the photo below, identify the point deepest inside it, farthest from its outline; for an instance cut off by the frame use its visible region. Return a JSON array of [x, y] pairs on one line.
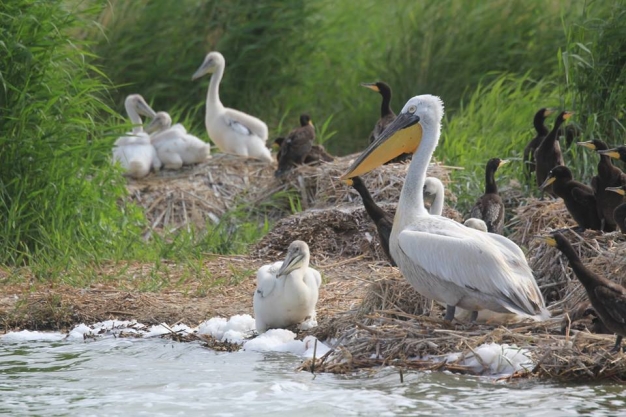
[[157, 377]]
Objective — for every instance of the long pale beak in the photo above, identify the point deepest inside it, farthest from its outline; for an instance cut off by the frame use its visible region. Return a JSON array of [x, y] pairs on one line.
[[203, 69], [403, 135], [291, 263], [371, 86], [618, 190], [613, 153], [548, 240], [145, 110], [567, 115], [547, 182], [503, 162], [589, 144], [153, 126], [548, 112]]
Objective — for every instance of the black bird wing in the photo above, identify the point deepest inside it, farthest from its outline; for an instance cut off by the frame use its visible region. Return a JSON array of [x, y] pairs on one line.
[[583, 194], [613, 300]]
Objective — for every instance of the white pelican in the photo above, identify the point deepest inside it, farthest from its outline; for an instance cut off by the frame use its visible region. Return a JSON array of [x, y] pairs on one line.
[[287, 291], [434, 187], [135, 152], [175, 147], [442, 259], [232, 131], [478, 224]]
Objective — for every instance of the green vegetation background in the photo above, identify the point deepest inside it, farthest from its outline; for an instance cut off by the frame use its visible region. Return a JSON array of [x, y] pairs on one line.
[[66, 66]]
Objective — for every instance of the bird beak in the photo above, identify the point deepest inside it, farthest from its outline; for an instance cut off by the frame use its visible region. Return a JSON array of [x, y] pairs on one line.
[[291, 263], [403, 135], [610, 152], [547, 182], [548, 112], [548, 240], [145, 110], [371, 86], [204, 68], [618, 190], [567, 115], [503, 162], [349, 182], [311, 122], [153, 126], [589, 144]]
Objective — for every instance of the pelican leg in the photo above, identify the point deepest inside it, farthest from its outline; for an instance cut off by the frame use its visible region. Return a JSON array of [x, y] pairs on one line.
[[618, 344], [449, 313], [474, 316]]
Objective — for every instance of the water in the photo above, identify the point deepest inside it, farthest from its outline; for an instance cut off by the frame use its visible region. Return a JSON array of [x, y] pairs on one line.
[[123, 377]]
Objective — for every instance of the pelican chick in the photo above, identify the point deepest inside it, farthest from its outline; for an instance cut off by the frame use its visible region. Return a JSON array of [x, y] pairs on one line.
[[287, 291], [489, 206], [442, 259], [433, 188], [134, 152], [174, 146], [233, 131], [607, 297], [478, 224]]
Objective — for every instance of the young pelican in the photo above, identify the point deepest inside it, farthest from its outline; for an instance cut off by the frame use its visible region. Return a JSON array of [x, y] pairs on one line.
[[578, 197], [542, 132], [134, 152], [433, 187], [286, 292], [442, 259], [174, 146], [548, 154], [616, 153], [478, 224], [232, 131], [489, 206], [607, 297], [608, 176], [296, 146]]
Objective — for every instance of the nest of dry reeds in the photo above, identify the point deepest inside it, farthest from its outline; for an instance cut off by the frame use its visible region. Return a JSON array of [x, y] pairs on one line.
[[205, 192]]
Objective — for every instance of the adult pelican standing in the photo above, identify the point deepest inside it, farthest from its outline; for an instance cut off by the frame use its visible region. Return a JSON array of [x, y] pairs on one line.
[[442, 259], [231, 130]]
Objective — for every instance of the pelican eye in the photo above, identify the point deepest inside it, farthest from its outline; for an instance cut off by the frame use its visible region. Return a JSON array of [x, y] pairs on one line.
[[412, 109]]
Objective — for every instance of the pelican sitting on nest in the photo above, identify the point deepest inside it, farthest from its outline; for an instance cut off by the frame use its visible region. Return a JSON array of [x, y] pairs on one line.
[[175, 147], [442, 259], [134, 152], [232, 131], [287, 291]]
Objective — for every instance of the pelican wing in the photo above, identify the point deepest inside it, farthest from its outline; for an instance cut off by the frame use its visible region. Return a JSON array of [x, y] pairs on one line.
[[266, 278], [315, 276], [484, 262], [613, 301], [245, 124]]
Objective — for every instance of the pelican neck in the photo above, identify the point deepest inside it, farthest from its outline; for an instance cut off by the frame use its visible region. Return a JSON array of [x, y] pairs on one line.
[[437, 205], [213, 93], [134, 118], [490, 181], [411, 204]]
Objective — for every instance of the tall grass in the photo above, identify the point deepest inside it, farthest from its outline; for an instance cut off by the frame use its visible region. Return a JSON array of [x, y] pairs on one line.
[[495, 122], [58, 193], [285, 58]]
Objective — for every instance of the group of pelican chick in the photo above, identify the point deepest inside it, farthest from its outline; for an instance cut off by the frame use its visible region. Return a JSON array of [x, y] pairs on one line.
[[161, 145]]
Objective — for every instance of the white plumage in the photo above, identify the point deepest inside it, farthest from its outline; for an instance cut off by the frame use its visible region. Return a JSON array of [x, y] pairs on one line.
[[286, 291], [134, 152], [174, 146], [434, 187], [478, 224], [442, 259], [231, 130]]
